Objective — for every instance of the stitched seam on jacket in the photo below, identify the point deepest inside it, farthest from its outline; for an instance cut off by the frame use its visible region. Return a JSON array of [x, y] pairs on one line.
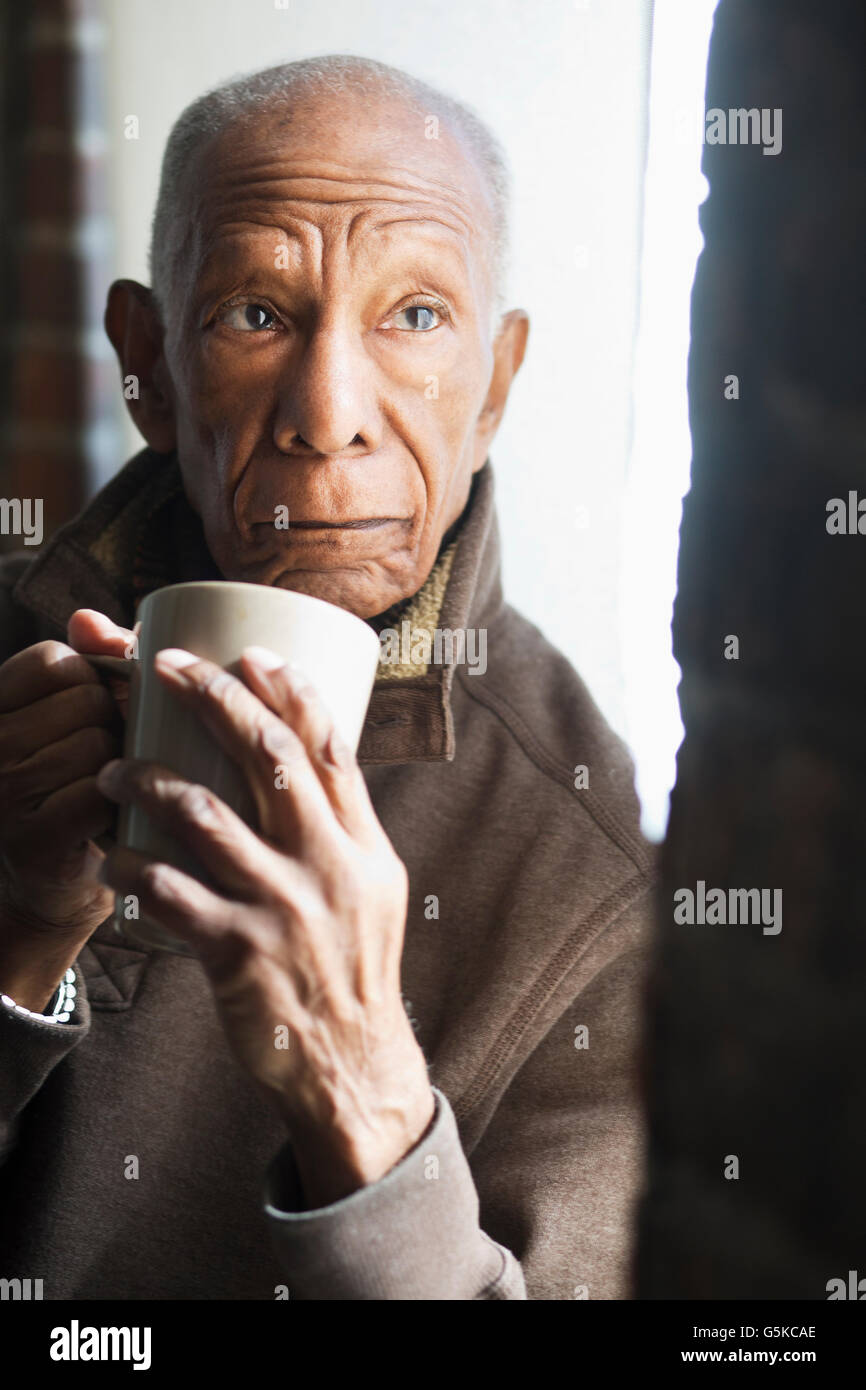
[[554, 972], [491, 1289], [547, 765]]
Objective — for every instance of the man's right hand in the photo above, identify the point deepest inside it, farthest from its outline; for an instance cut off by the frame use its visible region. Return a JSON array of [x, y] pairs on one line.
[[59, 725]]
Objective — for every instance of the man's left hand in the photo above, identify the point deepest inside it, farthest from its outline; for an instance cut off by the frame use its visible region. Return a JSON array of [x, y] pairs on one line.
[[302, 937]]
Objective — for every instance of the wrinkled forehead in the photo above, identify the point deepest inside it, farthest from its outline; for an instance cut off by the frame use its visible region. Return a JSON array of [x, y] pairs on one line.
[[344, 164]]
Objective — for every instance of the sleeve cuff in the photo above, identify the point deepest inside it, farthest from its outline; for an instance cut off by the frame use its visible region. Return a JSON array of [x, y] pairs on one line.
[[36, 1025], [31, 1045], [414, 1234]]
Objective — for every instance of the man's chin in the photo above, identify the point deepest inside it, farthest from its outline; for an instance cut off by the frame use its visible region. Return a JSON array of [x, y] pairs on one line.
[[365, 595], [365, 571]]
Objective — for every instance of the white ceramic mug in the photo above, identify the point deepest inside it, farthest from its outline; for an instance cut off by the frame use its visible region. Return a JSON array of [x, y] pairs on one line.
[[216, 619]]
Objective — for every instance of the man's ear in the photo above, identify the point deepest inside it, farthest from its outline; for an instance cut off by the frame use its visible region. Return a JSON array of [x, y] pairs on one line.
[[509, 347], [133, 324]]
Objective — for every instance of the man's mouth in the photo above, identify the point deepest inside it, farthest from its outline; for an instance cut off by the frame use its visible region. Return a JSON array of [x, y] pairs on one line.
[[362, 524]]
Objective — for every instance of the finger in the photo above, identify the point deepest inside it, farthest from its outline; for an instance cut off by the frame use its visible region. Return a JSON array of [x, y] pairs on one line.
[[41, 670], [67, 818], [237, 859], [91, 631], [292, 805], [290, 695], [178, 902], [48, 720], [27, 784]]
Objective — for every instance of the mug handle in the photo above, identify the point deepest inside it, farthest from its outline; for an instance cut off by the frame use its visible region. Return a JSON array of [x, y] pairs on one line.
[[119, 668]]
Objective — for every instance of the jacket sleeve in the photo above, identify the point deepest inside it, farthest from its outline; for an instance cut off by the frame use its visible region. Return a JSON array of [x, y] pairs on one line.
[[18, 627], [30, 1048], [543, 1206]]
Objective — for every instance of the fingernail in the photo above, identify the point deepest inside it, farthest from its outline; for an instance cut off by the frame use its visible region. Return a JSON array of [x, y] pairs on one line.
[[264, 657], [108, 780], [175, 658]]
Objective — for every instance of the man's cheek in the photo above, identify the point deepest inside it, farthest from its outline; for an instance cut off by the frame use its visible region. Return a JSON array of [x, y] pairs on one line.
[[205, 459], [217, 432], [454, 417]]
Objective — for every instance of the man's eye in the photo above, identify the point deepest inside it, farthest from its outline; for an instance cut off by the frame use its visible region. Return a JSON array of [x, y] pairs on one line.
[[248, 318], [420, 318]]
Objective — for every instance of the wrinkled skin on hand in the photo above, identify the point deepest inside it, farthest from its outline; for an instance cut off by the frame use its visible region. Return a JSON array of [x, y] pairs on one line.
[[301, 939]]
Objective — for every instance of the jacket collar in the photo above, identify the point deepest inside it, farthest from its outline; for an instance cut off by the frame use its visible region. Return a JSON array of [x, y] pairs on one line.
[[139, 532]]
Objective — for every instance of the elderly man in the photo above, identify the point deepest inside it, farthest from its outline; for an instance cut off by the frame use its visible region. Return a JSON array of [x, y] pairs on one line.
[[452, 925]]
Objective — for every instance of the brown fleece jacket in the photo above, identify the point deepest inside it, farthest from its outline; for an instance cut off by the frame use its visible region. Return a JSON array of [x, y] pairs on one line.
[[524, 958]]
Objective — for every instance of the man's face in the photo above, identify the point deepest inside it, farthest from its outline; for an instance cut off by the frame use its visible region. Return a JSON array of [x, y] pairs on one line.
[[329, 360]]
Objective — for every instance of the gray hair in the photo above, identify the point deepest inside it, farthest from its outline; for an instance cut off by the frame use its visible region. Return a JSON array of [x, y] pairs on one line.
[[209, 115]]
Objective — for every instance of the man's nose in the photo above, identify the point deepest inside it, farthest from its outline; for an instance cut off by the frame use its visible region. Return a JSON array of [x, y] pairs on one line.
[[327, 400]]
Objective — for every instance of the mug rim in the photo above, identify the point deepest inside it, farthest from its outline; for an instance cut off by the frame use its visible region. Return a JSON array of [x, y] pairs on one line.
[[224, 584]]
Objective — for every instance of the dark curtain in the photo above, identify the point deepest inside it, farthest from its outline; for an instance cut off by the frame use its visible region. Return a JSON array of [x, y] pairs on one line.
[[57, 381]]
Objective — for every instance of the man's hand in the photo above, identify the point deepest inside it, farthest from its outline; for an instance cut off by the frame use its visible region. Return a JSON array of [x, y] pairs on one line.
[[58, 726], [302, 939]]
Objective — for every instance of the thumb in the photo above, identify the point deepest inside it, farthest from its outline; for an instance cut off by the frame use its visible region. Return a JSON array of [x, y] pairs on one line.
[[93, 634], [91, 631]]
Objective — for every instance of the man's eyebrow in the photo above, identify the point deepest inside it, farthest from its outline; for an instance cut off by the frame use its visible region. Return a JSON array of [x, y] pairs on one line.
[[435, 222], [454, 244]]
